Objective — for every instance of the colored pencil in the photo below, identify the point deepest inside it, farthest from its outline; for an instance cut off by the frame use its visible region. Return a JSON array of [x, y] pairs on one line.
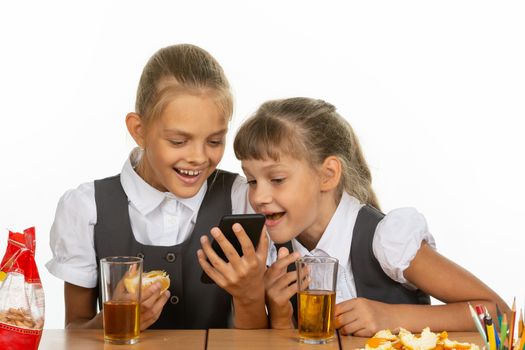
[[511, 324], [479, 327], [520, 324], [522, 342], [503, 330], [480, 311], [490, 333], [496, 336], [499, 315]]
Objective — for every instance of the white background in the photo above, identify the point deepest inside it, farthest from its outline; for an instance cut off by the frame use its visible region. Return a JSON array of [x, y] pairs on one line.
[[435, 91]]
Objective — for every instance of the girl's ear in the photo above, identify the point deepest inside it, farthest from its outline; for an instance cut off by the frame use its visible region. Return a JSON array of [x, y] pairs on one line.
[[330, 173], [136, 128]]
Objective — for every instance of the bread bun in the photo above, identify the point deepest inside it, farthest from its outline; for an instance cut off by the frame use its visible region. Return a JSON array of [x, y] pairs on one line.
[[148, 278]]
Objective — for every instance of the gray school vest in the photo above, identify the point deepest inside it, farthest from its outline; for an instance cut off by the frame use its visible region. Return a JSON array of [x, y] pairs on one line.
[[371, 282], [192, 304]]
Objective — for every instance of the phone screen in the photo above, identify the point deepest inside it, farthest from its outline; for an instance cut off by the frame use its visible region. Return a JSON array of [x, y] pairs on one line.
[[252, 225]]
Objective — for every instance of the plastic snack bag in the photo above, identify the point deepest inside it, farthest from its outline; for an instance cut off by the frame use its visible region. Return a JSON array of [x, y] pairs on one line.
[[21, 294]]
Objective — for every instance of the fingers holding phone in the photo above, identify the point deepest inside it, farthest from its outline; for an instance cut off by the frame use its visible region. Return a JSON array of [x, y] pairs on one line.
[[233, 262], [229, 252], [262, 247], [227, 263], [214, 265], [249, 248]]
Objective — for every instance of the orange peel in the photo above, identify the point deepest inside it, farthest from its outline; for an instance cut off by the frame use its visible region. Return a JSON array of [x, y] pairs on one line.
[[405, 340]]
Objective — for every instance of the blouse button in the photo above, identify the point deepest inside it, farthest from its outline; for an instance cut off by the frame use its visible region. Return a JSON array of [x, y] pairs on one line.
[[140, 255], [174, 300], [170, 257]]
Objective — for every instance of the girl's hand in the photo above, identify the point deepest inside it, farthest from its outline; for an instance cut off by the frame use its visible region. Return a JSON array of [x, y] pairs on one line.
[[151, 304], [280, 286], [362, 317], [242, 277]]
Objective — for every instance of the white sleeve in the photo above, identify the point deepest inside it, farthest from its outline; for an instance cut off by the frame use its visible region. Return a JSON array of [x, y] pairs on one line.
[[71, 241], [240, 203], [397, 239]]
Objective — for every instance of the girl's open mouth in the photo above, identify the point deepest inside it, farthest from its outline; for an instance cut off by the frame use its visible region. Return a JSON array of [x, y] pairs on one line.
[[189, 173], [275, 216], [188, 177]]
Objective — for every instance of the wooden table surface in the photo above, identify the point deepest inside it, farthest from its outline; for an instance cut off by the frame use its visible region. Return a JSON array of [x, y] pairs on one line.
[[259, 339], [214, 339], [93, 339]]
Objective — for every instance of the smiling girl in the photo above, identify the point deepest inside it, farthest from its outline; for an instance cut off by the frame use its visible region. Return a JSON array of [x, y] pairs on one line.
[[306, 172], [168, 194]]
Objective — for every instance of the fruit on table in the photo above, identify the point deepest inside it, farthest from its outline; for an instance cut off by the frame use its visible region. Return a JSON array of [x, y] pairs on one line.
[[148, 278]]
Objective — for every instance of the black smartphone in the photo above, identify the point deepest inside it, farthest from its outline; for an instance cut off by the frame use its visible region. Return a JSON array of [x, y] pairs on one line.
[[252, 225]]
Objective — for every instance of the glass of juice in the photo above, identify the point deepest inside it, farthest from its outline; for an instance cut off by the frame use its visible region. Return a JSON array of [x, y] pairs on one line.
[[121, 279], [317, 279]]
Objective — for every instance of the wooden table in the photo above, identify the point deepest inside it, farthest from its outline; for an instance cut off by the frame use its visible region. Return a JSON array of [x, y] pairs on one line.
[[214, 339], [93, 339], [352, 343], [261, 339]]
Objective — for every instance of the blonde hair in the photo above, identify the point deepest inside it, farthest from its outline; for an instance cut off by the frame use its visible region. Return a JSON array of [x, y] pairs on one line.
[[176, 69], [310, 130]]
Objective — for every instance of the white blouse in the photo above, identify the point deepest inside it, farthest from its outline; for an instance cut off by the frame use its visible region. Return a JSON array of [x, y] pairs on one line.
[[157, 218], [397, 239]]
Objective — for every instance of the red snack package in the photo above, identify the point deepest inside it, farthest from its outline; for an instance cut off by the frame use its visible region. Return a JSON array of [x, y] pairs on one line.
[[21, 294]]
